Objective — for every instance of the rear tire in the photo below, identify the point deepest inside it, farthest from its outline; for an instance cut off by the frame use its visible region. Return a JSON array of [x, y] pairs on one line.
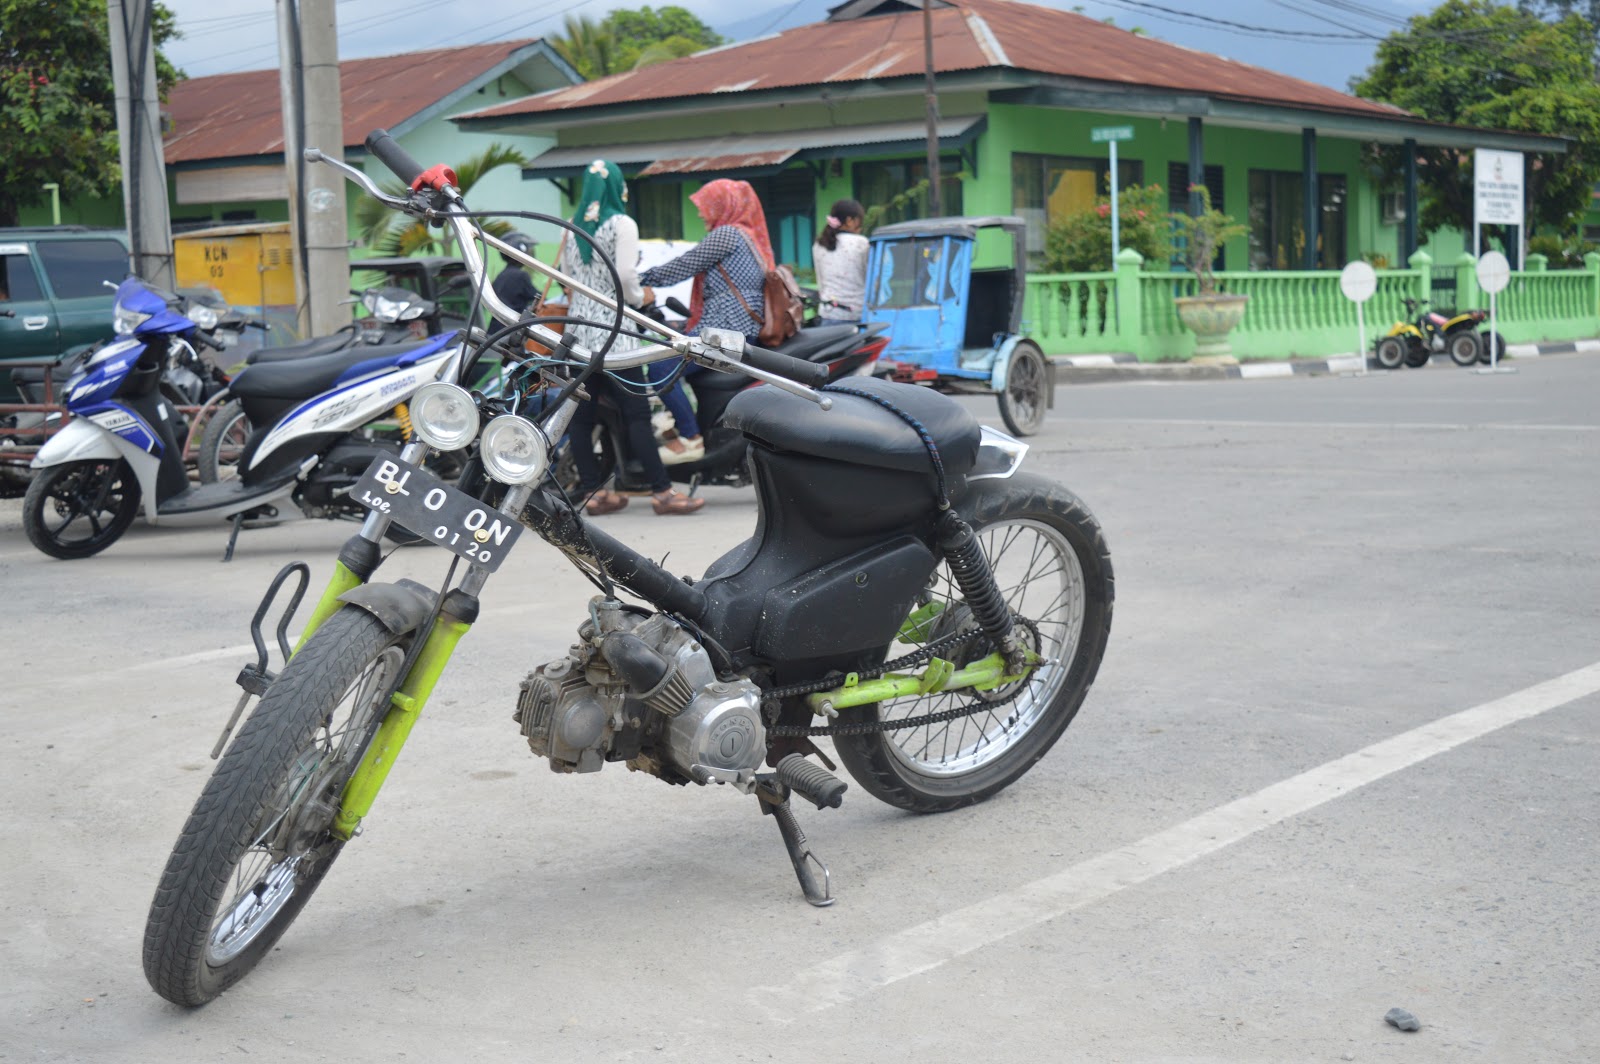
[[1390, 352], [1491, 344], [222, 442], [1051, 561], [1027, 394], [1463, 348], [257, 844], [80, 508], [1418, 355]]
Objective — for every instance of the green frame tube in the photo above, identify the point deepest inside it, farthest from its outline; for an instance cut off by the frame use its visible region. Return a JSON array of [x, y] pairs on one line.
[[342, 580], [406, 707], [985, 674]]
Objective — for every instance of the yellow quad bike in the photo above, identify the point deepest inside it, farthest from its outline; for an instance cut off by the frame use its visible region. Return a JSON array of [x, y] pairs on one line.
[[1413, 342]]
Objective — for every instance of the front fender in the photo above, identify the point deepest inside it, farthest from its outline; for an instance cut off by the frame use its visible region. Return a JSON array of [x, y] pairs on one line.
[[81, 440], [401, 607], [1002, 362]]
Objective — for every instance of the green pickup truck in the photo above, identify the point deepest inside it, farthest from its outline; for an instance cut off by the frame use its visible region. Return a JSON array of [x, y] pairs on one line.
[[52, 282]]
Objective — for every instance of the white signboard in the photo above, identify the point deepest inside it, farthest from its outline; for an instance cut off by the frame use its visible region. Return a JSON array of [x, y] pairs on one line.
[[1497, 177]]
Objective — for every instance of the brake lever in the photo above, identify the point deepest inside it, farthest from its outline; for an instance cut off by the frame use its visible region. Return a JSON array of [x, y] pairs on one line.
[[369, 186]]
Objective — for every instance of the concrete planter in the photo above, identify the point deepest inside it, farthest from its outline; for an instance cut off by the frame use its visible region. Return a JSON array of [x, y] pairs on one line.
[[1211, 318]]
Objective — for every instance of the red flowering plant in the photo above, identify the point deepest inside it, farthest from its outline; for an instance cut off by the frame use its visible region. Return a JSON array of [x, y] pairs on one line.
[[1081, 242]]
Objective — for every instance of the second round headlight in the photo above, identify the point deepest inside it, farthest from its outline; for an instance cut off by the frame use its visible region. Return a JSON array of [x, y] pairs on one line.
[[514, 451], [444, 415]]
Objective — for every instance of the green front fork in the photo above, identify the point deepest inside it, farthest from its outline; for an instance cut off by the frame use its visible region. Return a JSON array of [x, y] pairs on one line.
[[405, 706]]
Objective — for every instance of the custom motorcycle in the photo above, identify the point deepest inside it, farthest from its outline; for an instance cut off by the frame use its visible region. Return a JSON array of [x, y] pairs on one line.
[[907, 591]]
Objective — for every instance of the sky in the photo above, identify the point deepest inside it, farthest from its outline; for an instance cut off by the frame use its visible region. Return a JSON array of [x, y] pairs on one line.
[[222, 36]]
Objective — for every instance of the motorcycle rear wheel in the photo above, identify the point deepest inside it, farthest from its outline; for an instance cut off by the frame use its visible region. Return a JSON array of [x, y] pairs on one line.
[[80, 508], [1053, 567], [226, 432], [257, 844]]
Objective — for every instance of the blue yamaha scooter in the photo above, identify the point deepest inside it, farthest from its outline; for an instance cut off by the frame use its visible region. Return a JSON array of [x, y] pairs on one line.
[[121, 447]]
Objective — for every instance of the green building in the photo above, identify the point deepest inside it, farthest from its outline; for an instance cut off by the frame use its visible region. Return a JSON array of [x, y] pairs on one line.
[[836, 109]]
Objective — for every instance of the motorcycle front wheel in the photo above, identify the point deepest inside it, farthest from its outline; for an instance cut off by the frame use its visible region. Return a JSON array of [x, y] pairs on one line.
[[257, 844], [80, 508], [1052, 565]]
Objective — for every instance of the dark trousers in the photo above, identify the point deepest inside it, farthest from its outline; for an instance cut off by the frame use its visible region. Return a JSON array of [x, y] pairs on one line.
[[640, 440]]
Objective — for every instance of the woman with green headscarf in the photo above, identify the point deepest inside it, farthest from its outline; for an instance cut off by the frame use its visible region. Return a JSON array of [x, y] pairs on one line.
[[603, 214]]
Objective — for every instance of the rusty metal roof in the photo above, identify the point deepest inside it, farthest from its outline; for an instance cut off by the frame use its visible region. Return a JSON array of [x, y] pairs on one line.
[[970, 35], [228, 116]]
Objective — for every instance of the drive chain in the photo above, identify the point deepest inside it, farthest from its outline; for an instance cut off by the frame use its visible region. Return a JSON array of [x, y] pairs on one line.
[[868, 727]]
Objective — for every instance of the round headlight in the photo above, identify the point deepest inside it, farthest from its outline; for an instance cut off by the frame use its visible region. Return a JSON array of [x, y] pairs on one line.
[[444, 415], [202, 315], [514, 450]]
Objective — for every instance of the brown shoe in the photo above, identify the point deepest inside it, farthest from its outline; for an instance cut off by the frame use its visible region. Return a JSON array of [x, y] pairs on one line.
[[671, 502], [606, 502]]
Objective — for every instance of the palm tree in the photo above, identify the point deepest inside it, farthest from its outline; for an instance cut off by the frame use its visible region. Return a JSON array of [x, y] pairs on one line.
[[389, 233], [588, 46]]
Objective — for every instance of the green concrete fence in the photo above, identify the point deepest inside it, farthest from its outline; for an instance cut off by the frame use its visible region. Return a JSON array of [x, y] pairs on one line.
[[1292, 313]]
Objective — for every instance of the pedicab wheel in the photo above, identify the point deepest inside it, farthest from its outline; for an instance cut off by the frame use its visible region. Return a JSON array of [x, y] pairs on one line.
[[80, 508], [1026, 395], [1464, 348], [1390, 352]]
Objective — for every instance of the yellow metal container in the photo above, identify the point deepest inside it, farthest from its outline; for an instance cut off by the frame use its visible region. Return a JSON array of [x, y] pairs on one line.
[[251, 265]]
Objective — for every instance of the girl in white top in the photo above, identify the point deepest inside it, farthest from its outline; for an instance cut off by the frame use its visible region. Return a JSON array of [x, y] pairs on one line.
[[840, 258]]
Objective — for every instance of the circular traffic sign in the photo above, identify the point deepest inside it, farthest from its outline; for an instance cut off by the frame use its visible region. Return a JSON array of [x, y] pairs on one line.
[[1358, 281], [1494, 272]]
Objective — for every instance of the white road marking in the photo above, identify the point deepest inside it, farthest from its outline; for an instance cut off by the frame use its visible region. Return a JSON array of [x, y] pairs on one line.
[[925, 947]]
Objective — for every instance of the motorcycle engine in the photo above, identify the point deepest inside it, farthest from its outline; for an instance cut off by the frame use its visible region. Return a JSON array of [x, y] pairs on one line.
[[643, 690]]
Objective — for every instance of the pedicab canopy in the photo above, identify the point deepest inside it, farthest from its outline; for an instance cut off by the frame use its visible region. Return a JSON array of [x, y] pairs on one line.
[[920, 274]]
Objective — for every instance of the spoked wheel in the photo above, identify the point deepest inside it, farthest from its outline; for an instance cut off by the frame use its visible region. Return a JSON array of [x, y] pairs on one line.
[[1464, 348], [1390, 352], [1051, 564], [80, 508], [258, 842], [1027, 392], [222, 442]]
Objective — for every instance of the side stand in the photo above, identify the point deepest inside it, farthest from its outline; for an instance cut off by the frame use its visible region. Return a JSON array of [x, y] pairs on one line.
[[796, 775], [233, 536]]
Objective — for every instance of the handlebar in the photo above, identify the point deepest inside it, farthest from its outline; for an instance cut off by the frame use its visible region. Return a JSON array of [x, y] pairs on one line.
[[389, 152], [703, 350], [796, 369], [675, 305]]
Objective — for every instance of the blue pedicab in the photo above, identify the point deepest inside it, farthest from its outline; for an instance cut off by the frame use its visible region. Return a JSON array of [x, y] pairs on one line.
[[954, 328]]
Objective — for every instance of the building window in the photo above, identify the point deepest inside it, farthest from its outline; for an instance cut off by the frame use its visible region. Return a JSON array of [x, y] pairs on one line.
[[1277, 220], [789, 200], [1047, 188], [658, 208], [878, 183]]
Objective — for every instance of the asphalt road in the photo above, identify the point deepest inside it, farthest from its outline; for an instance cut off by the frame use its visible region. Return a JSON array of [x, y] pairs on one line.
[[1341, 757]]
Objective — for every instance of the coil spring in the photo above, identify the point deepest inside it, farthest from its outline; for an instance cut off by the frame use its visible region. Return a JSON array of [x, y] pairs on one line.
[[972, 574], [402, 414]]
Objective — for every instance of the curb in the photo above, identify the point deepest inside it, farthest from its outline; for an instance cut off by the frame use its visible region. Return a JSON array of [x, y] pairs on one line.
[[1085, 369]]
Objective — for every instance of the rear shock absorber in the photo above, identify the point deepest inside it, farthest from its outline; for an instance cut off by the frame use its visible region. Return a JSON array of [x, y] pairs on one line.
[[961, 549], [402, 414]]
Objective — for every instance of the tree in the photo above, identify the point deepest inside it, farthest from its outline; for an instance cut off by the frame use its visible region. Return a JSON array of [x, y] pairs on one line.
[[1478, 63], [1560, 9], [389, 233], [627, 38], [58, 116]]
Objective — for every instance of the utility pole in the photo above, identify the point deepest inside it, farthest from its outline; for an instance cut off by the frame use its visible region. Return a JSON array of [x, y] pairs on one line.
[[144, 169], [935, 204], [308, 52]]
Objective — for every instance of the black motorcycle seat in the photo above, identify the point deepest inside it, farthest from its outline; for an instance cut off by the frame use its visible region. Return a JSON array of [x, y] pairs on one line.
[[302, 378], [858, 430], [322, 345], [807, 343]]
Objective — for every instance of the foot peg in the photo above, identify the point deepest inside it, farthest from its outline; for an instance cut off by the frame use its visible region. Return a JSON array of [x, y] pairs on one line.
[[817, 785], [812, 782]]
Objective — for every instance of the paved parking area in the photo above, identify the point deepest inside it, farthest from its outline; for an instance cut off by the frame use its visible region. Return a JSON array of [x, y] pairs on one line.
[[1341, 757]]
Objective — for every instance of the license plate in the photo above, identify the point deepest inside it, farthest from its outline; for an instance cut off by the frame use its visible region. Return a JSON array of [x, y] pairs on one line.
[[438, 513]]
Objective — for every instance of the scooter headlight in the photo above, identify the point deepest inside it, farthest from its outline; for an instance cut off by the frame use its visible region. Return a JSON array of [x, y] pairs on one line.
[[444, 415], [514, 451], [124, 321], [202, 315]]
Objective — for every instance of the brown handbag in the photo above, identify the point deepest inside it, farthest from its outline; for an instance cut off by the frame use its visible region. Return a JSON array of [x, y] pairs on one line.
[[544, 307], [780, 296]]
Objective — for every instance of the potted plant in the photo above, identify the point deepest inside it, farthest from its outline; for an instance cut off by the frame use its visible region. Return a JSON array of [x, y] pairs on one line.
[[1209, 314]]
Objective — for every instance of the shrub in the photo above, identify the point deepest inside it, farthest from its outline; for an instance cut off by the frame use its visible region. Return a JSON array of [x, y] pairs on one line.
[[1081, 242]]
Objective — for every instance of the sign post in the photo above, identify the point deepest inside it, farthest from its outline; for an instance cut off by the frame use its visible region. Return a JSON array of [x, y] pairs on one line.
[[1497, 194], [1358, 281], [1111, 135], [1494, 273]]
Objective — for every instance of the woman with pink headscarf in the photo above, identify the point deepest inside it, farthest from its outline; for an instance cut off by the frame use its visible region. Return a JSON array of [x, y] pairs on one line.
[[729, 267]]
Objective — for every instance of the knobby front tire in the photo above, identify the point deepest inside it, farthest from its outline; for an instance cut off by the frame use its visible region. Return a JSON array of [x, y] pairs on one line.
[[1051, 562], [257, 844]]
